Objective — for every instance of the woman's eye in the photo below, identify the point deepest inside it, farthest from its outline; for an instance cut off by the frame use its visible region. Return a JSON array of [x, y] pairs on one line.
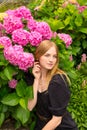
[[55, 56], [47, 55]]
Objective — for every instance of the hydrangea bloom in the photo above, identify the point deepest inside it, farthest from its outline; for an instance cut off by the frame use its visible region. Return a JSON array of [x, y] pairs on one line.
[[23, 30], [10, 12], [5, 41], [23, 12], [16, 56], [12, 23], [13, 53], [82, 8], [31, 24], [44, 29], [20, 36], [66, 38], [26, 61], [35, 38], [12, 83]]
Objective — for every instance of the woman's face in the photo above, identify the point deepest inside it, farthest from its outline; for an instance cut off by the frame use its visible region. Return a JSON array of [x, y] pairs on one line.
[[49, 59]]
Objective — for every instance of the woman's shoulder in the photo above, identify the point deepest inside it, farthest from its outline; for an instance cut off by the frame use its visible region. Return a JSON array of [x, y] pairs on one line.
[[58, 77]]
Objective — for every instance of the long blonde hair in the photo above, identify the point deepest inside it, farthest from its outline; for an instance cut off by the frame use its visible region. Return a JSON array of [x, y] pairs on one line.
[[43, 47]]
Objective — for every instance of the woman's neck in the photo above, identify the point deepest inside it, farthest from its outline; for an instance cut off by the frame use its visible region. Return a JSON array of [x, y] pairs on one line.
[[43, 74]]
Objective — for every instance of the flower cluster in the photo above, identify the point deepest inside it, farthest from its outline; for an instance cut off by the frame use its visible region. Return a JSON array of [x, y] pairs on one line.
[[12, 83], [66, 38], [81, 8], [22, 31]]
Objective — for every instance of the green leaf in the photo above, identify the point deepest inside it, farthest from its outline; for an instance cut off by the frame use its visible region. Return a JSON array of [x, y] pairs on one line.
[[32, 125], [3, 76], [22, 114], [84, 44], [2, 117], [23, 102], [21, 88], [7, 73], [84, 13], [78, 20], [56, 24], [29, 92], [11, 99], [83, 30], [3, 108], [67, 20]]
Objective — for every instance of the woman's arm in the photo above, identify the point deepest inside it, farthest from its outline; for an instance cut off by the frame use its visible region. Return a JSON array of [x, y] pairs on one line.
[[53, 123], [32, 102], [36, 72]]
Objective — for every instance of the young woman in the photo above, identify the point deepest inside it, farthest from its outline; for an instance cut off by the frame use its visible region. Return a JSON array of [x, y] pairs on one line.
[[51, 92]]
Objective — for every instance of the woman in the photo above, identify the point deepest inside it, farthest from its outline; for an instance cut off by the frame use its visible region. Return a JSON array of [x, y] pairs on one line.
[[51, 92]]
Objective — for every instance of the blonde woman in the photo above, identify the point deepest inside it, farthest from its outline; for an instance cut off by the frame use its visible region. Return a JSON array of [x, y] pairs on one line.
[[51, 92]]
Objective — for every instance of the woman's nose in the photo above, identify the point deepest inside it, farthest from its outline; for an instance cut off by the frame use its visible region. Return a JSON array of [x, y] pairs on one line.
[[51, 59]]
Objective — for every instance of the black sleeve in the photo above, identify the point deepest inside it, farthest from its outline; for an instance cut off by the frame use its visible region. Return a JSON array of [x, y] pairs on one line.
[[59, 95]]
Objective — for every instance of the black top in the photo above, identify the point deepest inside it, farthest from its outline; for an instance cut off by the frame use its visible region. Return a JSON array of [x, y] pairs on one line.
[[54, 101]]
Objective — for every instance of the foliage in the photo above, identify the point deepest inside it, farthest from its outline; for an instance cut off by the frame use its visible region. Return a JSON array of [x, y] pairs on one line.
[[78, 101], [69, 20]]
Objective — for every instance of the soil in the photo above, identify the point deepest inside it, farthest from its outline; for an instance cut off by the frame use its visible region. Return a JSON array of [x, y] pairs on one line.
[[9, 125]]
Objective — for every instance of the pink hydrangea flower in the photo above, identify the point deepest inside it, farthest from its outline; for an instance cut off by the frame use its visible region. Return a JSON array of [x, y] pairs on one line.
[[12, 23], [66, 38], [83, 59], [82, 8], [31, 24], [13, 54], [26, 61], [5, 41], [23, 12], [16, 56], [44, 29], [12, 83], [10, 12], [20, 37], [35, 38]]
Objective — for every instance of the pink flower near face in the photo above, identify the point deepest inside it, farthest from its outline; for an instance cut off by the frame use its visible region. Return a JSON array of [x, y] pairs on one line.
[[44, 29], [35, 38], [66, 38], [12, 83]]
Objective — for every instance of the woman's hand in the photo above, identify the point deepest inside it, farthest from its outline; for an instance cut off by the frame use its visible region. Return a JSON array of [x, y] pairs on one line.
[[36, 70]]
